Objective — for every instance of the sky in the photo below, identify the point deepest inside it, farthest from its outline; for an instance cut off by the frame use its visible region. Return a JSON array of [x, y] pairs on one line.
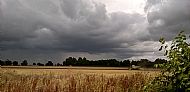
[[41, 30]]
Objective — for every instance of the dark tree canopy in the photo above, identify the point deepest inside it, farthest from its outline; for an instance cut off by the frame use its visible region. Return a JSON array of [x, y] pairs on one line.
[[72, 61], [40, 64], [110, 62], [2, 63], [8, 62], [160, 61], [15, 63], [34, 64], [49, 63], [126, 63], [24, 63], [58, 64]]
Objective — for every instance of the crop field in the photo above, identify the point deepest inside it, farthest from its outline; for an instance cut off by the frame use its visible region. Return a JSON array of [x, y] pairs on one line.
[[74, 79]]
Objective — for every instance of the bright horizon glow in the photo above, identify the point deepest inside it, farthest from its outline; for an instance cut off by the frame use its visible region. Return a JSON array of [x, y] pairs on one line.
[[127, 6]]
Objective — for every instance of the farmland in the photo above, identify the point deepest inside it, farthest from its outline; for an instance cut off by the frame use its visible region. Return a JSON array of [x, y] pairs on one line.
[[74, 79]]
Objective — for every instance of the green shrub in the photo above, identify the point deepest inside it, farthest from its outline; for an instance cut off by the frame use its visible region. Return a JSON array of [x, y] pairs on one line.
[[175, 74]]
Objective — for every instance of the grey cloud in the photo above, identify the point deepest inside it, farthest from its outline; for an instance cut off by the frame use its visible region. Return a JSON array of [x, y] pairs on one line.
[[139, 50], [151, 3], [170, 17], [55, 26]]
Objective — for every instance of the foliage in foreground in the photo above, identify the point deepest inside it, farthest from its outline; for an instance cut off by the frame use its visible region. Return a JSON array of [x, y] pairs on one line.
[[175, 74], [13, 82]]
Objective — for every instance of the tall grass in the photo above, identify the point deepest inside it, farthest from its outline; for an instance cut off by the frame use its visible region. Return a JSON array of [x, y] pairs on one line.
[[13, 82]]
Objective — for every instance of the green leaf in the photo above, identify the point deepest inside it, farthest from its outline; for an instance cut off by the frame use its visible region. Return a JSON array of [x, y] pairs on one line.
[[188, 89], [166, 53], [160, 48], [162, 41], [175, 73]]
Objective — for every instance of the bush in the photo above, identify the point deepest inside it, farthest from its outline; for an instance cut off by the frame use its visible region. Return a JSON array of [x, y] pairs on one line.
[[175, 74]]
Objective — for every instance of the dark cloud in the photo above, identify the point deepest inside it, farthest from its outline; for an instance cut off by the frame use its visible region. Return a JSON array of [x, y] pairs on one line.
[[168, 17], [57, 26], [54, 29]]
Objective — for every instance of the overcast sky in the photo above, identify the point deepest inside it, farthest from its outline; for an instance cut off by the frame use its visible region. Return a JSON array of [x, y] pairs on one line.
[[41, 30]]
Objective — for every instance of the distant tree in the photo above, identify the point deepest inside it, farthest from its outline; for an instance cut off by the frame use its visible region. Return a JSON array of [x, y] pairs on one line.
[[2, 63], [34, 64], [40, 64], [70, 61], [112, 63], [80, 62], [106, 63], [24, 63], [160, 61], [8, 62], [49, 63], [84, 59], [79, 59], [64, 63], [58, 64], [74, 61], [126, 63], [15, 63], [85, 62], [134, 63], [143, 62]]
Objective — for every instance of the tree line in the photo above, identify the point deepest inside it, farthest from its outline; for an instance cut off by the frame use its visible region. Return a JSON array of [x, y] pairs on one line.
[[71, 61]]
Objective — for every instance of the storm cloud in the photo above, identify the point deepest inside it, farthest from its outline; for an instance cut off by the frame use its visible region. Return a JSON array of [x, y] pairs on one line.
[[167, 17], [55, 29]]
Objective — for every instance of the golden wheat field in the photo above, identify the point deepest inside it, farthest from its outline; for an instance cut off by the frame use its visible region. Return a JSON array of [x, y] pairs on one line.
[[73, 79]]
